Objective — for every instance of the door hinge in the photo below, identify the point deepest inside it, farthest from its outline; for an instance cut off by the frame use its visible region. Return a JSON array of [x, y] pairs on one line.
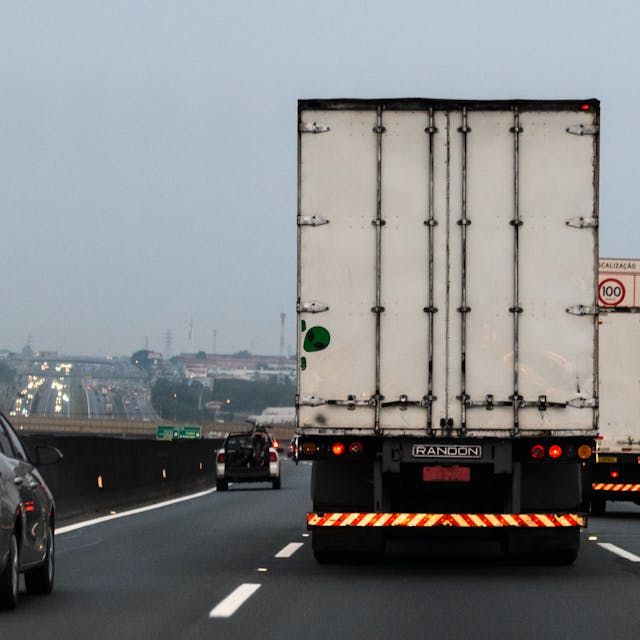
[[312, 307], [582, 310], [582, 130], [583, 403], [310, 401], [311, 221], [350, 403], [581, 222], [313, 127]]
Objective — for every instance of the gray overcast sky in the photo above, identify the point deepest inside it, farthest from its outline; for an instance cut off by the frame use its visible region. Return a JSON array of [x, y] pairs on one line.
[[148, 149]]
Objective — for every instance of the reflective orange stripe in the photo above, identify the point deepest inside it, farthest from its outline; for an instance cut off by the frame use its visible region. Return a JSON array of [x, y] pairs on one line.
[[608, 486], [465, 520]]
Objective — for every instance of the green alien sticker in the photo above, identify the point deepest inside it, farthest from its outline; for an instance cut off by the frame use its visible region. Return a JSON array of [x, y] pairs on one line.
[[316, 339]]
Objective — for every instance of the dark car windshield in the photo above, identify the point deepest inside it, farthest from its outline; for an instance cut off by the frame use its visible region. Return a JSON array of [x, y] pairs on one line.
[[238, 443]]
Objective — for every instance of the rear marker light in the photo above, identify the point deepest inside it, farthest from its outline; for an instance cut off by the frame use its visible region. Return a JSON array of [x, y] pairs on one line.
[[584, 452], [337, 448], [555, 451], [356, 448], [309, 448], [585, 107], [614, 473], [537, 451]]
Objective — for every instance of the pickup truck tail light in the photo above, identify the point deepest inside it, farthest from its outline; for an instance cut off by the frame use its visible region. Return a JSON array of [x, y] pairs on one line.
[[273, 456], [220, 458]]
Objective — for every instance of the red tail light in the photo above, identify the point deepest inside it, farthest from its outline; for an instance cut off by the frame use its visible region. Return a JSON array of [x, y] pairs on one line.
[[614, 473], [337, 448], [273, 456], [585, 107], [537, 451], [220, 459], [555, 451], [355, 448], [275, 444]]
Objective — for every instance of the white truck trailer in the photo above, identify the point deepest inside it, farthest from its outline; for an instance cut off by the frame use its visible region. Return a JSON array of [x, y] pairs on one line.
[[447, 319], [616, 472]]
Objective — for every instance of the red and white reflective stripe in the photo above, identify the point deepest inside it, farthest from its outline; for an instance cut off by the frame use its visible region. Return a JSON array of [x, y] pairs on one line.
[[477, 520], [604, 486]]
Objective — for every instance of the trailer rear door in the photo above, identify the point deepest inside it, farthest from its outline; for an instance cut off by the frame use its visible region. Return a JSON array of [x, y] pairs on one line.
[[447, 266]]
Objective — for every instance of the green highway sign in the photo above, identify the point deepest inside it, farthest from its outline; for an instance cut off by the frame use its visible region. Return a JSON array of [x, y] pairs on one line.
[[190, 433], [170, 432]]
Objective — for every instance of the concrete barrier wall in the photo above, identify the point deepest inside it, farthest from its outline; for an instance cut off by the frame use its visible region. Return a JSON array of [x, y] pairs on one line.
[[121, 427], [100, 474]]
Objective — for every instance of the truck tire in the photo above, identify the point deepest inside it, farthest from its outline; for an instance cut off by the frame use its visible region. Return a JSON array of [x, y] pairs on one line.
[[40, 580], [10, 576]]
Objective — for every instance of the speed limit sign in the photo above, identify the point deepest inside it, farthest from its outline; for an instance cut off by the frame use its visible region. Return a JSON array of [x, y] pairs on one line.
[[611, 292]]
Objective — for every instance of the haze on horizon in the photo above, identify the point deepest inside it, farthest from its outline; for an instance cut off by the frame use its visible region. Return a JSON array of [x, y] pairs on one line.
[[148, 149]]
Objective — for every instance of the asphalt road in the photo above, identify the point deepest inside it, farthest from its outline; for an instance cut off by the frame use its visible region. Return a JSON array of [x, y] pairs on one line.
[[160, 574]]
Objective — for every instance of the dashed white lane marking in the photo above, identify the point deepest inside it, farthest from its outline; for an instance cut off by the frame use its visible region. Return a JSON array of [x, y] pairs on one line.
[[289, 550], [227, 607], [131, 512], [627, 555]]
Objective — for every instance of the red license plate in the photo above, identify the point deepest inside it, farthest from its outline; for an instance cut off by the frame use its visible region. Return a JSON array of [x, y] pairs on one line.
[[446, 474]]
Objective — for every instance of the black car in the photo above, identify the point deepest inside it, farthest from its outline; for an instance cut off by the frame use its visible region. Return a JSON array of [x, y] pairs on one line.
[[27, 518], [248, 457]]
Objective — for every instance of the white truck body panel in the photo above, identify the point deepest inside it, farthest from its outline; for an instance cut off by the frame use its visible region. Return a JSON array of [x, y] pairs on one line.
[[343, 173], [619, 346]]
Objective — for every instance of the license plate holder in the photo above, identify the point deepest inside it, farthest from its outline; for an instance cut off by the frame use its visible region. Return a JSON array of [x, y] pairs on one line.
[[440, 473]]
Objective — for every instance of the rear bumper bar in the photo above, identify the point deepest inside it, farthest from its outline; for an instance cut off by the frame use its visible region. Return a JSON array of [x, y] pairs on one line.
[[609, 486], [462, 520]]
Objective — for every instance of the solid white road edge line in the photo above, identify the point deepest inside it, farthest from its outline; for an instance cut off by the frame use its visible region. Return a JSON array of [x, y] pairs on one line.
[[131, 512], [227, 607], [289, 550], [619, 552]]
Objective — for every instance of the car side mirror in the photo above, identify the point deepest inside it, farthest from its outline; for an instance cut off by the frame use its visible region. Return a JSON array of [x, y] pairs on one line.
[[45, 455]]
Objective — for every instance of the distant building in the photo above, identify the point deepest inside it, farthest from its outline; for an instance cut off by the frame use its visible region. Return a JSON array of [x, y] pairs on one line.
[[238, 366]]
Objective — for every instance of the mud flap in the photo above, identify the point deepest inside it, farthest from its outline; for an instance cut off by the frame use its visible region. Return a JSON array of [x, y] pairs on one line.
[[555, 546]]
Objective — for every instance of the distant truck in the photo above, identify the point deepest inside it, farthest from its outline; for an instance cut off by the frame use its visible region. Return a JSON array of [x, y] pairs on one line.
[[447, 319], [615, 475]]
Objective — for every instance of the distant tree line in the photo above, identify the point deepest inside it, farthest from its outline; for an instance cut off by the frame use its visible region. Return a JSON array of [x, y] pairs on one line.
[[183, 400]]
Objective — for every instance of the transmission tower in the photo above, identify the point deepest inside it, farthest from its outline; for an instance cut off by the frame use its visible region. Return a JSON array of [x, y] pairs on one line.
[[283, 317], [168, 344]]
